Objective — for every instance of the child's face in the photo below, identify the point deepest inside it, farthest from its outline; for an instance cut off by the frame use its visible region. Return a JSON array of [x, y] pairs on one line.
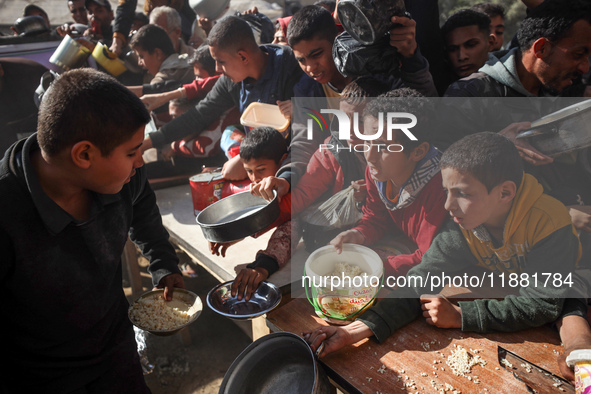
[[230, 64], [149, 61], [497, 29], [257, 169], [109, 173], [467, 49], [199, 71], [383, 164], [315, 58], [468, 201], [174, 110], [279, 38]]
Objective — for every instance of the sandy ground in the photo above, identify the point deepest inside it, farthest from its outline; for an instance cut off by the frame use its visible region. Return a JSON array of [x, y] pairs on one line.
[[215, 341]]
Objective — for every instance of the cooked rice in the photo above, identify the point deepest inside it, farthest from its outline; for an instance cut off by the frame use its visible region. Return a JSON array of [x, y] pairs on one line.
[[348, 270], [156, 314]]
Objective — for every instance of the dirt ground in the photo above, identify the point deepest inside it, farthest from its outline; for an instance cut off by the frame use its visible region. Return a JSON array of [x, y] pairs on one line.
[[215, 341]]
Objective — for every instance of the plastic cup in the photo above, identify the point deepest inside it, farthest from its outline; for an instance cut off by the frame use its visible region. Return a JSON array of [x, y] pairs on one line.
[[581, 361]]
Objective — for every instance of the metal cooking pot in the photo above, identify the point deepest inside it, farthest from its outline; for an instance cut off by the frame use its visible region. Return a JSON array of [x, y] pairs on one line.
[[562, 131], [69, 54], [369, 20], [280, 362], [237, 216]]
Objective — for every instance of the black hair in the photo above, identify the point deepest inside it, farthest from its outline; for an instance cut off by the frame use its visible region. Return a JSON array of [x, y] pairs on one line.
[[141, 17], [362, 87], [152, 37], [490, 9], [404, 100], [232, 34], [489, 157], [311, 22], [330, 5], [203, 57], [466, 17], [263, 143], [552, 20], [88, 105]]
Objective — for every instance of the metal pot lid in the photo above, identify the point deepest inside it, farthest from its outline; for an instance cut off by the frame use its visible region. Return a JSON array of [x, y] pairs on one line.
[[562, 114]]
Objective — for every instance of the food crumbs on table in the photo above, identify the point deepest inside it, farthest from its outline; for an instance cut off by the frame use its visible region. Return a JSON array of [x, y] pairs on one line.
[[527, 367], [506, 363], [461, 362]]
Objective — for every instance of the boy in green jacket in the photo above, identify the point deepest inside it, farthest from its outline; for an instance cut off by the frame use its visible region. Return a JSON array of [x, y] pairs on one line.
[[503, 223]]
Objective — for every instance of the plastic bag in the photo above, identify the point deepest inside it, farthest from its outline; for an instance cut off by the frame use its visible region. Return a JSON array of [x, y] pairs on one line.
[[336, 212], [355, 59]]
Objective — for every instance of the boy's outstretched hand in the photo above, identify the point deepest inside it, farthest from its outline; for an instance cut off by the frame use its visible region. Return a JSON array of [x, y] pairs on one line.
[[527, 152], [248, 281], [439, 312], [168, 283], [265, 188], [285, 108], [218, 248], [335, 338], [347, 237]]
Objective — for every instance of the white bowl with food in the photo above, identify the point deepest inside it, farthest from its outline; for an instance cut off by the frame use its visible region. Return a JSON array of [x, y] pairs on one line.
[[343, 285], [152, 313]]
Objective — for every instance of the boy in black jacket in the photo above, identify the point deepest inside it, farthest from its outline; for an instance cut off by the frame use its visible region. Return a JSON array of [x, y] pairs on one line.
[[71, 194]]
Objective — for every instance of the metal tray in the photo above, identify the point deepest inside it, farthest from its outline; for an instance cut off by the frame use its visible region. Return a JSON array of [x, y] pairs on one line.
[[237, 216]]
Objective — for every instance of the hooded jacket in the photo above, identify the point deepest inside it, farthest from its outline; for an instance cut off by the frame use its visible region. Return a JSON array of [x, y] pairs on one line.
[[539, 239]]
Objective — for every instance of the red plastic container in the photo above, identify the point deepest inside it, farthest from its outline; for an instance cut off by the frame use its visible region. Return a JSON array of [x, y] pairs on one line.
[[209, 187]]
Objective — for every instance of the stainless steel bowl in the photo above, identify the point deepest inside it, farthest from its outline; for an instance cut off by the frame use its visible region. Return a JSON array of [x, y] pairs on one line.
[[265, 299], [186, 296], [70, 54], [237, 216]]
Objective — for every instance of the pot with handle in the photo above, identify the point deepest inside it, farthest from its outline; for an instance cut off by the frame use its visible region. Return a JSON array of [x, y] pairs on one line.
[[563, 131], [281, 362]]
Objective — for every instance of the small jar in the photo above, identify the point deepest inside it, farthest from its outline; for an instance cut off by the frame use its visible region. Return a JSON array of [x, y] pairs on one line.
[[581, 361]]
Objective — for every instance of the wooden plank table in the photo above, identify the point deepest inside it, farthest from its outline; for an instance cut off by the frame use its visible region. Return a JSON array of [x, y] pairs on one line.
[[176, 208], [418, 353]]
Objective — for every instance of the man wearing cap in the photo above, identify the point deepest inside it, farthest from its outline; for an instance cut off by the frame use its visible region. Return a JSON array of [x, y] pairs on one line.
[[100, 16], [32, 9]]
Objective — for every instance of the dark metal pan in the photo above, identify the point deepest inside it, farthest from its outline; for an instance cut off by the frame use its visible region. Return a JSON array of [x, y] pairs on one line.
[[237, 216], [280, 362]]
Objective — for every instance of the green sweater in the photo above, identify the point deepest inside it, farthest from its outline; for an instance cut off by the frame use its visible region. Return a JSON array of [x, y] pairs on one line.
[[450, 253]]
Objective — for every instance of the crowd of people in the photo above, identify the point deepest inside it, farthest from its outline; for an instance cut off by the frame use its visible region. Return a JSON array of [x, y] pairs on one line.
[[462, 187]]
